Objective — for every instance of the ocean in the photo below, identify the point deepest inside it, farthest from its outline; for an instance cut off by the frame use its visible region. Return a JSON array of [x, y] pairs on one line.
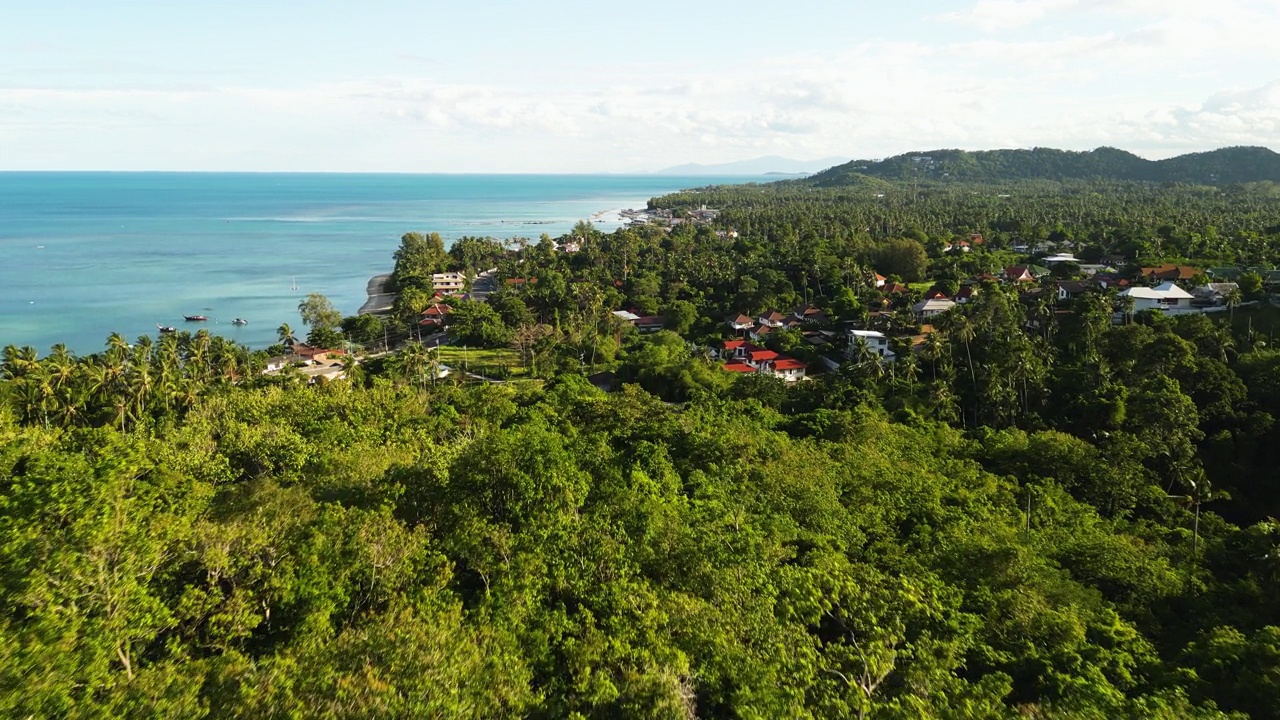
[[86, 254]]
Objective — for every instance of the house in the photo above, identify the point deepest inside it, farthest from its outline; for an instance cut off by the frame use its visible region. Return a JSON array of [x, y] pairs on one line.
[[738, 367], [773, 319], [755, 358], [275, 364], [929, 308], [759, 332], [894, 289], [788, 369], [643, 323], [1107, 281], [1069, 289], [1216, 292], [873, 340], [1018, 274], [880, 280], [435, 315], [736, 350], [515, 281], [1060, 258], [1169, 271], [810, 313], [818, 338], [934, 294], [739, 322], [958, 246], [966, 294], [449, 282], [649, 323], [1166, 296]]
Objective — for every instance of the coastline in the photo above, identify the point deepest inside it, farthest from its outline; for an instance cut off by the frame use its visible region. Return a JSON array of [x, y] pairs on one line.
[[377, 300]]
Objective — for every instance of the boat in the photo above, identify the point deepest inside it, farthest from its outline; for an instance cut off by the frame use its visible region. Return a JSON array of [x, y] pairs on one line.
[[239, 321], [194, 318], [166, 329]]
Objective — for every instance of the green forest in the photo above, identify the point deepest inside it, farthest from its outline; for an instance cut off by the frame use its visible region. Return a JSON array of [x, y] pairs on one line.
[[1040, 507]]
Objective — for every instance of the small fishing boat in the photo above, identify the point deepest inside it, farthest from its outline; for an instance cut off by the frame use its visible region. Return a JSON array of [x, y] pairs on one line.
[[166, 329], [239, 321], [194, 318]]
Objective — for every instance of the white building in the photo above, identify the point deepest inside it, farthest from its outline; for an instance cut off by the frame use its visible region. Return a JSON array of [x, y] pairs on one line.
[[448, 282], [1166, 296], [875, 341], [930, 308]]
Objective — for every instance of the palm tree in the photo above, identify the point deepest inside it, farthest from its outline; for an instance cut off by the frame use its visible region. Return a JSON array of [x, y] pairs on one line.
[[18, 361], [285, 333], [413, 361], [1233, 299]]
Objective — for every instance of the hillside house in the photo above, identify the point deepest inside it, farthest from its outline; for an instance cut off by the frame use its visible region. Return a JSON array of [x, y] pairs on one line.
[[1018, 274], [874, 341], [1169, 271], [739, 322], [788, 369], [1166, 296], [435, 315], [1067, 290], [773, 319], [449, 282], [930, 308]]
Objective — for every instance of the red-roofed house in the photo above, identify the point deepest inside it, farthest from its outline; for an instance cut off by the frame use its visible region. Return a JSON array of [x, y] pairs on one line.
[[1018, 273], [739, 367], [788, 369], [935, 294], [773, 319], [739, 322], [758, 356], [880, 280], [435, 315]]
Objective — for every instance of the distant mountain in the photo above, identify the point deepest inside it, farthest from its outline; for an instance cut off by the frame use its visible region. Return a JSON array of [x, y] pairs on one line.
[[1217, 167], [769, 165]]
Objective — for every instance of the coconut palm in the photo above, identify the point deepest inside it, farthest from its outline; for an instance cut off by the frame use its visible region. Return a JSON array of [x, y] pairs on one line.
[[285, 333], [18, 361], [1233, 299]]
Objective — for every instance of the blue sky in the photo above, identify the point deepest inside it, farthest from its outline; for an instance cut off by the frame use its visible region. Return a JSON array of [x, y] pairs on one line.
[[613, 87]]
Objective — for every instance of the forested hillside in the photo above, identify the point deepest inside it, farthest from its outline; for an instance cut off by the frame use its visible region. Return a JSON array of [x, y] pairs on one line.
[[1035, 506], [1217, 167]]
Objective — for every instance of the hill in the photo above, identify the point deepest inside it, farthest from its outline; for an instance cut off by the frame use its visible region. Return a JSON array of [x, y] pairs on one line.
[[1217, 167], [768, 165]]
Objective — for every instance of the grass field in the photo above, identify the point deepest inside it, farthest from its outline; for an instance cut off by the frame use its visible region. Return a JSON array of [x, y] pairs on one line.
[[490, 362]]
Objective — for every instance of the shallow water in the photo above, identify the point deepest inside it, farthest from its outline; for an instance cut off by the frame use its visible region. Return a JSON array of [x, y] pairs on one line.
[[86, 254]]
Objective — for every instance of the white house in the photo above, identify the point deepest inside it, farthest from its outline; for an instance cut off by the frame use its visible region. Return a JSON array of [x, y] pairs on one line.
[[448, 282], [1166, 296], [929, 308], [875, 341], [1060, 258]]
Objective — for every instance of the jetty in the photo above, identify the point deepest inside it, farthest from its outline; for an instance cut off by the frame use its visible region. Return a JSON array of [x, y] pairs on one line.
[[379, 301]]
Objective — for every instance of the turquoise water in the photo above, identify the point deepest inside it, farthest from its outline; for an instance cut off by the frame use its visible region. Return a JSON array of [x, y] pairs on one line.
[[86, 254]]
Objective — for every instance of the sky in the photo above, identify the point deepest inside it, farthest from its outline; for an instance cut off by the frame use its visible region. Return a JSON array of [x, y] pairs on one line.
[[604, 86]]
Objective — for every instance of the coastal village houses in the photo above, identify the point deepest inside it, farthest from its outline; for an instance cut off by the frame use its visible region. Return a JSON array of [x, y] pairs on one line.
[[741, 356]]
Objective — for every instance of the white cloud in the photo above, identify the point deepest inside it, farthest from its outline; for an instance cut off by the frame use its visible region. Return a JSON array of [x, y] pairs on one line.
[[997, 15], [1141, 84]]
